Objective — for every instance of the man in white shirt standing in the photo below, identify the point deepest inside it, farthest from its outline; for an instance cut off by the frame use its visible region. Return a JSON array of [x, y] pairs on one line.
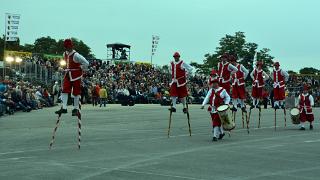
[[75, 64], [178, 85]]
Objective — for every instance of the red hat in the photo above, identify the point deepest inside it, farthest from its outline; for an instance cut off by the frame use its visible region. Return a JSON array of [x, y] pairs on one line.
[[232, 58], [68, 43], [214, 72], [276, 64], [176, 54], [306, 87], [259, 63], [224, 55]]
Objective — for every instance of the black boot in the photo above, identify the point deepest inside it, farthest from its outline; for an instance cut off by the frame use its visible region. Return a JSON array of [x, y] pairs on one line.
[[302, 128], [214, 139], [172, 109], [75, 112], [258, 107], [311, 127], [185, 110], [221, 136], [233, 109], [61, 111]]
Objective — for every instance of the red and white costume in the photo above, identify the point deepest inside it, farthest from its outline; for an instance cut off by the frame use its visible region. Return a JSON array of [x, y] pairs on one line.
[[225, 69], [73, 72], [279, 77], [216, 98], [238, 82], [178, 83], [305, 103], [259, 77]]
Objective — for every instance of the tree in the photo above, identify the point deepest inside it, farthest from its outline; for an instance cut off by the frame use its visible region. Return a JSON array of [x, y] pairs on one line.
[[45, 45], [291, 72], [245, 51], [309, 70]]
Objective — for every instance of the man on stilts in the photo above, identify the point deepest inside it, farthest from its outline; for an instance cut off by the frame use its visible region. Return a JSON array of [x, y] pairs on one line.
[[305, 103], [178, 85], [225, 69], [238, 84], [216, 97], [239, 90], [259, 77], [279, 77], [75, 63]]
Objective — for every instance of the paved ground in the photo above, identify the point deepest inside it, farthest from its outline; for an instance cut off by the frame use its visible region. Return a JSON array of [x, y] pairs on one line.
[[131, 143]]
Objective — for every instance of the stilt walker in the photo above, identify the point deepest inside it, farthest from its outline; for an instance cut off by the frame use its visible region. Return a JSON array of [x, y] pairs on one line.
[[216, 97], [279, 77], [75, 64], [259, 77], [178, 87], [238, 89], [225, 69]]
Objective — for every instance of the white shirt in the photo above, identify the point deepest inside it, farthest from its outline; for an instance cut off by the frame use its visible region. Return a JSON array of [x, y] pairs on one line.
[[78, 58], [231, 68], [245, 71], [310, 99], [184, 66], [283, 73], [264, 74], [223, 94]]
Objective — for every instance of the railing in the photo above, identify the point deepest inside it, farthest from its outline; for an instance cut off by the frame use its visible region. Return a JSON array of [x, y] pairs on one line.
[[33, 72]]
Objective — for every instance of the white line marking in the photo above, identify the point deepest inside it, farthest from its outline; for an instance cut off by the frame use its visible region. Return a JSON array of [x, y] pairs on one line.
[[160, 174], [312, 141]]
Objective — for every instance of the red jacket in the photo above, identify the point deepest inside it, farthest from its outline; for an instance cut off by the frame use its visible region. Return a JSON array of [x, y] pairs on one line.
[[178, 74], [73, 68], [305, 104], [239, 75], [258, 75], [224, 72], [215, 100]]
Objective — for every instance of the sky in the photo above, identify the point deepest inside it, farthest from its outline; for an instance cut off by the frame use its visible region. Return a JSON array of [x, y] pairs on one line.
[[290, 28]]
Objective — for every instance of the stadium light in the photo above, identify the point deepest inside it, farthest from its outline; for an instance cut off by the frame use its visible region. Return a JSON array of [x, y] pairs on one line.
[[62, 62], [18, 60], [9, 59]]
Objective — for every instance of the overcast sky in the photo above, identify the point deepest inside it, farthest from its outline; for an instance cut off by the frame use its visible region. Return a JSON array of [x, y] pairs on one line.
[[290, 28]]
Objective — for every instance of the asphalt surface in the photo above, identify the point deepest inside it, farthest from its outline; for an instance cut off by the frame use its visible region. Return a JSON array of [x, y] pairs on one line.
[[131, 143]]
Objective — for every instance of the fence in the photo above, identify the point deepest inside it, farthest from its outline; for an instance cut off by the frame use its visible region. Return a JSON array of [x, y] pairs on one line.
[[32, 72]]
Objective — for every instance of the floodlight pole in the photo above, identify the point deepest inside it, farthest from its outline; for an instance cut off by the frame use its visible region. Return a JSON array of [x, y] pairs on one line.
[[4, 46]]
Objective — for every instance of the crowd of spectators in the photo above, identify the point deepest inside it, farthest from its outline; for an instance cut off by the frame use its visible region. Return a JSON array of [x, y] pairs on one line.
[[23, 96]]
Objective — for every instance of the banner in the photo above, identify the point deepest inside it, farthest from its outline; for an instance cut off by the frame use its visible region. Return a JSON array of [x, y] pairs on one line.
[[18, 54], [155, 41], [12, 26]]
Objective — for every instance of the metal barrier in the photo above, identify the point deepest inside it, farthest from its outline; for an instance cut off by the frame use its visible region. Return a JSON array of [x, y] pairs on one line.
[[32, 72]]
